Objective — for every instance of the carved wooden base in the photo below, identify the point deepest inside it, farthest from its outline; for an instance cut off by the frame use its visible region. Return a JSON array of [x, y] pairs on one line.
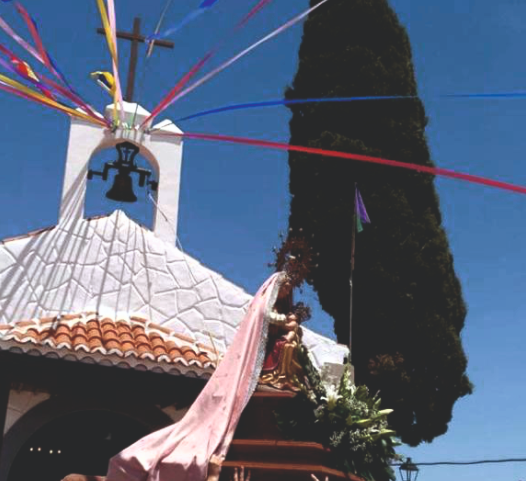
[[280, 461], [259, 447]]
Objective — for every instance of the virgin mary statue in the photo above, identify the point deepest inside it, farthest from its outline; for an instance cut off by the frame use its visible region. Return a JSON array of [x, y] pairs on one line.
[[194, 448]]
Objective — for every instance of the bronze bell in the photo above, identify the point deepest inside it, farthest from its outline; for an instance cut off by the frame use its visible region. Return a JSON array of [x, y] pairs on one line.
[[122, 190]]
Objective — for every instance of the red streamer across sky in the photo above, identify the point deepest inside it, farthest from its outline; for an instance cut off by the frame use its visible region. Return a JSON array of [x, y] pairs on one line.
[[362, 158]]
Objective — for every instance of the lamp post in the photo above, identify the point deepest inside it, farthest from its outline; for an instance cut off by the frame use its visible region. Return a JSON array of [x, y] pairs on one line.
[[409, 470]]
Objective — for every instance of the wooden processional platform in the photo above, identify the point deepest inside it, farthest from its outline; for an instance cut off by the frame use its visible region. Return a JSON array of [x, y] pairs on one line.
[[259, 447]]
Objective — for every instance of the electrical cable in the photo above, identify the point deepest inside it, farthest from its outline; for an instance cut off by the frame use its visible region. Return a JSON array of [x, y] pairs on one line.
[[466, 463]]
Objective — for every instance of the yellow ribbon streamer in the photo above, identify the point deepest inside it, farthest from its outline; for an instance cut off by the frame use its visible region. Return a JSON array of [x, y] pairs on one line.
[[112, 48], [36, 95]]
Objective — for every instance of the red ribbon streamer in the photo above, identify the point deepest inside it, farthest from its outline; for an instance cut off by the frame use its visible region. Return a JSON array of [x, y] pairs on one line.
[[34, 33], [178, 87], [46, 82], [46, 60], [23, 95], [362, 158]]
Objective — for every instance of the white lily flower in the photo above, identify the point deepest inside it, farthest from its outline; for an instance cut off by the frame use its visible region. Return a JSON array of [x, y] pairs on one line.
[[332, 396]]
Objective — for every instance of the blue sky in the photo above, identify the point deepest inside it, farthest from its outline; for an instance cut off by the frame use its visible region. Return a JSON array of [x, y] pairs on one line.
[[234, 199]]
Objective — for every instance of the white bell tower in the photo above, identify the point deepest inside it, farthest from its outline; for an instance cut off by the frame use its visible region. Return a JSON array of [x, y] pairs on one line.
[[164, 152]]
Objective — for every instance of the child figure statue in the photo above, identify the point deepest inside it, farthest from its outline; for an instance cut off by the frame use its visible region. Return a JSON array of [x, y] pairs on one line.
[[281, 368]]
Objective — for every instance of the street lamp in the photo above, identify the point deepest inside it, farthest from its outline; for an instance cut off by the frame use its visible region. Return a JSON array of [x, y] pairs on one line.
[[409, 470]]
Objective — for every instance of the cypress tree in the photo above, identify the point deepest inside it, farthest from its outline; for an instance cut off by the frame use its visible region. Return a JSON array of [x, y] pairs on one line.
[[408, 305]]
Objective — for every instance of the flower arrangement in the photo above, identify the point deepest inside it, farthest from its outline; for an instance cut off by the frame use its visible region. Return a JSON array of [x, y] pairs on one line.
[[346, 419]]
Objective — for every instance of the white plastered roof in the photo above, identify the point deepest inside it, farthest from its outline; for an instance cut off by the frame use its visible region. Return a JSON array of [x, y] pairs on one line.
[[114, 266]]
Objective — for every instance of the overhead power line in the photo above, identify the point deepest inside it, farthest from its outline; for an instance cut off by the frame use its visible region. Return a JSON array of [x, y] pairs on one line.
[[468, 463]]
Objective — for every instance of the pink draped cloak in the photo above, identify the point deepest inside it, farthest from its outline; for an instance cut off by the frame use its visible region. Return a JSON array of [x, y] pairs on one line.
[[182, 451]]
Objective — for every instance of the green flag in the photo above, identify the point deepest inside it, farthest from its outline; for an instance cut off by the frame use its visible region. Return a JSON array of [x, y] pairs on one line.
[[359, 226]]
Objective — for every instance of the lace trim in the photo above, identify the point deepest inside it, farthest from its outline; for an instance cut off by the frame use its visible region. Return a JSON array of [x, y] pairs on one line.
[[262, 347]]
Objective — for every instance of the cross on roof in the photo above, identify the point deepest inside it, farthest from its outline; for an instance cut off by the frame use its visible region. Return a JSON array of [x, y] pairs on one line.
[[135, 37]]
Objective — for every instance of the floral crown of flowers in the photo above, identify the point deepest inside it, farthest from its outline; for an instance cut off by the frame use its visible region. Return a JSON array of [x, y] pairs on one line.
[[295, 258]]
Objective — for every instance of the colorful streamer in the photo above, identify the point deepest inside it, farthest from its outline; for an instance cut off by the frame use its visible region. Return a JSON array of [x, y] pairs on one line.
[[281, 102], [46, 59], [33, 30], [21, 90], [190, 17], [113, 25], [23, 70], [18, 39], [44, 56], [208, 3], [44, 84], [256, 9], [110, 30], [151, 43], [438, 171], [169, 101], [163, 104]]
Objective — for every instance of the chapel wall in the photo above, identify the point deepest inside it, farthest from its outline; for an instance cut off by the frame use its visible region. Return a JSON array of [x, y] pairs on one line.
[[20, 402]]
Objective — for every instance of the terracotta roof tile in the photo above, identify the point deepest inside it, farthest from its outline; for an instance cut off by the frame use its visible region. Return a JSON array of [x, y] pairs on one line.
[[134, 339]]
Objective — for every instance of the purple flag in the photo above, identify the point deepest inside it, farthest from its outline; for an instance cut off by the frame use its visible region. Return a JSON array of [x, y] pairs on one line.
[[360, 208]]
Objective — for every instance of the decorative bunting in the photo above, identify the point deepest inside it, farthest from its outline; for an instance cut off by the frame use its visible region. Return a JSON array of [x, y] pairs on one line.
[[45, 85], [256, 9], [150, 41], [21, 90], [113, 26], [199, 65], [33, 30], [111, 39], [173, 95], [18, 39], [281, 102], [179, 26], [24, 70], [190, 17], [208, 3], [345, 155], [47, 60]]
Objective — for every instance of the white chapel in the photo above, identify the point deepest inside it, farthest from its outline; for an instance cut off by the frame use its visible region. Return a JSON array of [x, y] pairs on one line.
[[91, 303]]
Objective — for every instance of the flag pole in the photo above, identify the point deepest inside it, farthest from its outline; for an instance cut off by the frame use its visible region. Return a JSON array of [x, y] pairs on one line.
[[353, 248]]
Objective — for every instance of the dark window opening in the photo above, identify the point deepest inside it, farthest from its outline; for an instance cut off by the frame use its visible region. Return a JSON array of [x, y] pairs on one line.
[[81, 443]]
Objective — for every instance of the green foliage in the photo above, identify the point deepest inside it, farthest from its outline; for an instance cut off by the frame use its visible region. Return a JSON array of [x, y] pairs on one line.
[[408, 302], [347, 420]]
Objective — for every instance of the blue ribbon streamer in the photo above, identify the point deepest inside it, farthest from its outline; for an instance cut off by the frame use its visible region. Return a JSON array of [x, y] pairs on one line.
[[205, 5], [273, 103], [208, 3]]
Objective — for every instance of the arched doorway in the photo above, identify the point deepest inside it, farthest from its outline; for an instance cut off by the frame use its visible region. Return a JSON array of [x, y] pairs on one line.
[[78, 442]]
